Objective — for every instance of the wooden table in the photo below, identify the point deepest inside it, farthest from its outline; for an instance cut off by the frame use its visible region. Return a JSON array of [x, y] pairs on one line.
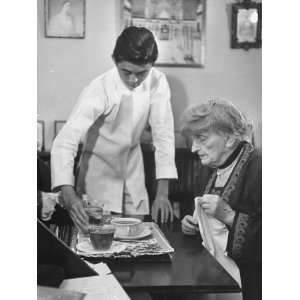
[[192, 269]]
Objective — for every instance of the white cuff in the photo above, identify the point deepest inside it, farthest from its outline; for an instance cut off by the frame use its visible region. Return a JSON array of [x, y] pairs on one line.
[[166, 172], [62, 180]]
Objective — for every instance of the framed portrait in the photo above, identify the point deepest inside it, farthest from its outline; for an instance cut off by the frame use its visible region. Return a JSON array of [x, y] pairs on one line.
[[40, 135], [58, 124], [64, 18], [246, 23], [178, 27]]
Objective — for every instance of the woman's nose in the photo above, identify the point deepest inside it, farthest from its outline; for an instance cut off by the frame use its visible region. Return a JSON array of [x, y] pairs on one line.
[[195, 146]]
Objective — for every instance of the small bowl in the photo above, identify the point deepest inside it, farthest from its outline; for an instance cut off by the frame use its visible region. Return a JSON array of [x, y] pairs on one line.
[[127, 226]]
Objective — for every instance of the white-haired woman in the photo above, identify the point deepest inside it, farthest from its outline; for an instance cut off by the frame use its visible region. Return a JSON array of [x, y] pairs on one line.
[[228, 213]]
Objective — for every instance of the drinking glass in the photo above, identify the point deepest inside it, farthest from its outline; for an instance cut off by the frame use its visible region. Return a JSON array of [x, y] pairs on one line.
[[102, 236], [94, 213]]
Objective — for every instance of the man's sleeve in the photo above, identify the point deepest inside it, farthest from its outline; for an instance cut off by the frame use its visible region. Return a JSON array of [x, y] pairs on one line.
[[162, 127], [90, 106]]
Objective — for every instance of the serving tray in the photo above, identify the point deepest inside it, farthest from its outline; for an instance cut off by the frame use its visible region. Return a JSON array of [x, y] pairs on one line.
[[154, 245]]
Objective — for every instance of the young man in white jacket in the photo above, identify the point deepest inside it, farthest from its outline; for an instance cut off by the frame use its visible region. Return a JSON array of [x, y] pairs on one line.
[[111, 115]]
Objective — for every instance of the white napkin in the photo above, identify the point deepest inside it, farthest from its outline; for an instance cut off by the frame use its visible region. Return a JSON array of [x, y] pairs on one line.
[[49, 201], [101, 287], [215, 235], [85, 248]]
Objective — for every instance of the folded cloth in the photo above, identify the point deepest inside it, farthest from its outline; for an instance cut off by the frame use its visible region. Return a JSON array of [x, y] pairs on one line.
[[215, 235], [49, 201], [123, 249]]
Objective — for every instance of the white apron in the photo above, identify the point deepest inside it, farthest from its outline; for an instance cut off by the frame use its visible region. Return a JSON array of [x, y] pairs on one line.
[[112, 158]]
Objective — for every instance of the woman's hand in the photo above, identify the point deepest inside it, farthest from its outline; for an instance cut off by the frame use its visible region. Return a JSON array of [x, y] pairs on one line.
[[75, 207], [189, 225], [216, 207]]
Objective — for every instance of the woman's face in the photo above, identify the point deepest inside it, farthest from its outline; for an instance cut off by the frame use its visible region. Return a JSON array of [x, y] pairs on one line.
[[211, 147]]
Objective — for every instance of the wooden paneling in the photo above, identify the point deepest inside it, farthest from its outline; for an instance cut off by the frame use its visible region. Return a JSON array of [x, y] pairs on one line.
[[182, 190]]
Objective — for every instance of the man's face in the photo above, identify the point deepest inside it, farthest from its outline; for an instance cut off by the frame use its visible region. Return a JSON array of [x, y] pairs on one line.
[[133, 75]]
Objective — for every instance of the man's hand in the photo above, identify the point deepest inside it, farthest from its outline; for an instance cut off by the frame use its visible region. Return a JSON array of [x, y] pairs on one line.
[[75, 207], [163, 205], [216, 207], [189, 225]]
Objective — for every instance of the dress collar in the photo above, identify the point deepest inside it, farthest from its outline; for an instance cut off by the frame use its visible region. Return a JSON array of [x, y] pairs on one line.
[[232, 156]]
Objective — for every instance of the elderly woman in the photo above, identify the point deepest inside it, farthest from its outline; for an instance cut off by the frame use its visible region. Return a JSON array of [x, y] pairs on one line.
[[228, 214]]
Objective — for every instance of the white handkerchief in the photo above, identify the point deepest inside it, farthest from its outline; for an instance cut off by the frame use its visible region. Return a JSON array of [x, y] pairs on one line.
[[214, 233], [215, 236]]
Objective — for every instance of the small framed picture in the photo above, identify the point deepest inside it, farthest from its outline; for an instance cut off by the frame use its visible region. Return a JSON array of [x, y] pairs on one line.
[[65, 18], [58, 124], [246, 24], [40, 135]]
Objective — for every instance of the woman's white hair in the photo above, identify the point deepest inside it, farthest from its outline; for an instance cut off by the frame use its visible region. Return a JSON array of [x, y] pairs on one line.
[[219, 115]]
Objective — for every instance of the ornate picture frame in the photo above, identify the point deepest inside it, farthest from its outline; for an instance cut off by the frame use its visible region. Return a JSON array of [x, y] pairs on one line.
[[178, 27], [246, 25], [65, 18]]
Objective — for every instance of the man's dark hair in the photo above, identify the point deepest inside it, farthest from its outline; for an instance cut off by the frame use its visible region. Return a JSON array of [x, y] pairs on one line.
[[135, 45]]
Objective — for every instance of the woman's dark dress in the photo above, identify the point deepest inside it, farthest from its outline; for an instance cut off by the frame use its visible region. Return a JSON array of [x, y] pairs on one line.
[[243, 192]]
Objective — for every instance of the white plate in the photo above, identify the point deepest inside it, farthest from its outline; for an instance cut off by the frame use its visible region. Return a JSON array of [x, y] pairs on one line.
[[86, 247], [146, 231]]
